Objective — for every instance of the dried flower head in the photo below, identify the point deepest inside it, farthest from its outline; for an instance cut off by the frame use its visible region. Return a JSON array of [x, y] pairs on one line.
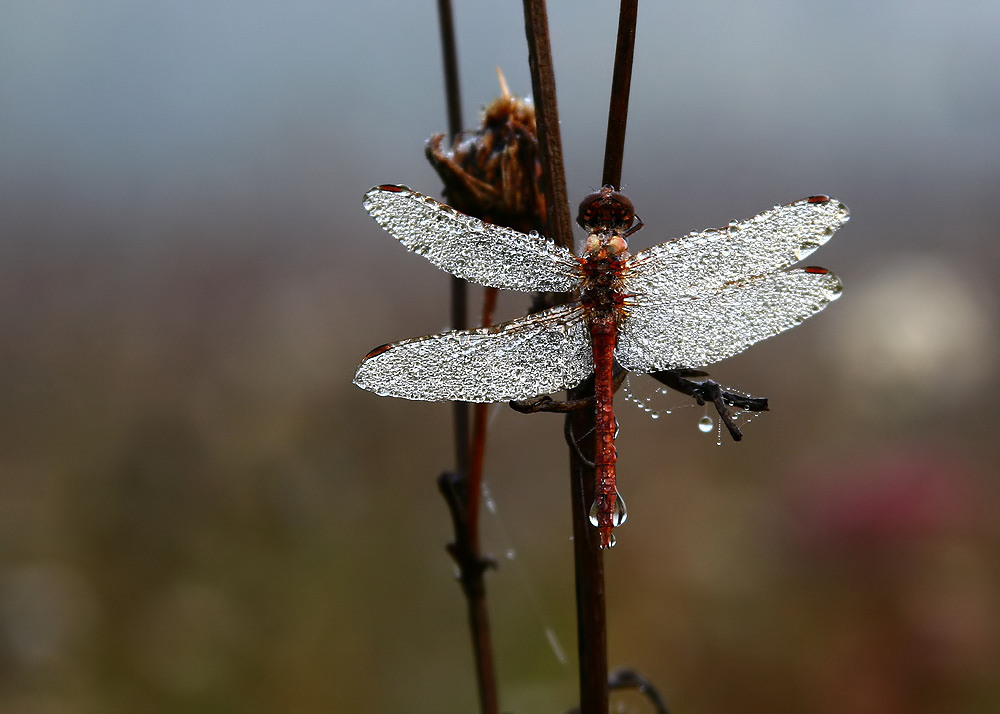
[[493, 173]]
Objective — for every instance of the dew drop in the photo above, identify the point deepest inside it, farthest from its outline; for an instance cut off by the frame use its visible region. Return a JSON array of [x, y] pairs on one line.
[[620, 514], [654, 415], [705, 424], [488, 501], [510, 554]]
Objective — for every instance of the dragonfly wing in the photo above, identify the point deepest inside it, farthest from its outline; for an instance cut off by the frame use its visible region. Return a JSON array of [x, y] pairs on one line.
[[700, 329], [703, 261], [537, 354], [481, 252]]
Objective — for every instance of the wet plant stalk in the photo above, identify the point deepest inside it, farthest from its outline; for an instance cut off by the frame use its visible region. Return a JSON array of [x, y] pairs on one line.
[[591, 617], [591, 633], [462, 488]]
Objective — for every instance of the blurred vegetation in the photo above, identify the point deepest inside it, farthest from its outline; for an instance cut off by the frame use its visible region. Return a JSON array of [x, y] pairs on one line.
[[199, 512]]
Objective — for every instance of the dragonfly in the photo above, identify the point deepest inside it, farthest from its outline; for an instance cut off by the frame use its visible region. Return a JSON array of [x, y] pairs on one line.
[[682, 304]]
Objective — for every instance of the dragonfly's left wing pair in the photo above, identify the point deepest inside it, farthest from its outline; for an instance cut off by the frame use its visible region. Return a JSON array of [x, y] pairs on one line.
[[710, 295], [483, 253], [536, 354]]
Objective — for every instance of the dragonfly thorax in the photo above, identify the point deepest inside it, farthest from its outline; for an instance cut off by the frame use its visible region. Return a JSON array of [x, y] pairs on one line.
[[602, 269], [605, 245]]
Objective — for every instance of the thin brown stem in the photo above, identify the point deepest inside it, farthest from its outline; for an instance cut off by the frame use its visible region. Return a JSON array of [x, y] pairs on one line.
[[591, 636], [452, 94], [460, 491], [543, 87], [457, 287], [477, 450], [621, 82]]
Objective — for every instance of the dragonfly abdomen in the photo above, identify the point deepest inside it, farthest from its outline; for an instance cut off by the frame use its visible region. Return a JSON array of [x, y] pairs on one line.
[[607, 510]]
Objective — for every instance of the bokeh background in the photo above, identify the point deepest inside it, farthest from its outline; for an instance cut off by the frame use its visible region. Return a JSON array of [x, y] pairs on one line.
[[200, 513]]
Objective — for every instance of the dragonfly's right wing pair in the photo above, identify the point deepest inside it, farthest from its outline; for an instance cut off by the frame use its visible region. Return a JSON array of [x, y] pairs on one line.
[[710, 295]]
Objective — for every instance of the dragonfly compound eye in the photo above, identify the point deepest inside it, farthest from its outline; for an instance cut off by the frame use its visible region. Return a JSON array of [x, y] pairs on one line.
[[606, 210]]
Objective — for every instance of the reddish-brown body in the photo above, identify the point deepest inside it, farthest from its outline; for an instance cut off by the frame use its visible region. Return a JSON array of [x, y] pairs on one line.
[[608, 217], [604, 334]]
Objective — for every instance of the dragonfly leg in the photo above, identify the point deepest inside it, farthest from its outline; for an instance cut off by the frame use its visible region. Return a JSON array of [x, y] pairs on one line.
[[545, 403], [575, 445], [635, 227], [711, 391]]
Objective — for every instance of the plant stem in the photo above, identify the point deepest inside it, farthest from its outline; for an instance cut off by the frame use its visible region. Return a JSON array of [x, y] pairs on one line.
[[621, 82], [457, 286], [461, 489], [543, 87], [591, 638]]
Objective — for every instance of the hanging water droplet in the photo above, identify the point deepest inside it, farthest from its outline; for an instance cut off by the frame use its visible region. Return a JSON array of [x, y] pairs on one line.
[[705, 424], [655, 415], [611, 541], [620, 514]]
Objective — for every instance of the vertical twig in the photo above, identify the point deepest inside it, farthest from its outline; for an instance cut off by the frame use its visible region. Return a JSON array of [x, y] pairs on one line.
[[453, 97], [591, 620], [458, 290], [543, 87], [460, 491], [477, 451], [621, 82], [591, 638]]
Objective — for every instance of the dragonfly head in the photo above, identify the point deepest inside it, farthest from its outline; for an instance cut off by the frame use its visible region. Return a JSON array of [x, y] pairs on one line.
[[606, 211]]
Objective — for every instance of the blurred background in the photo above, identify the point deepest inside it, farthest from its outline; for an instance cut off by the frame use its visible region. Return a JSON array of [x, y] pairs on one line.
[[200, 513]]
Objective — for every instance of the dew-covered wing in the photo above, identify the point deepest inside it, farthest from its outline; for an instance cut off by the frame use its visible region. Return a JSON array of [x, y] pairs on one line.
[[469, 248], [537, 354], [700, 263], [707, 326]]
